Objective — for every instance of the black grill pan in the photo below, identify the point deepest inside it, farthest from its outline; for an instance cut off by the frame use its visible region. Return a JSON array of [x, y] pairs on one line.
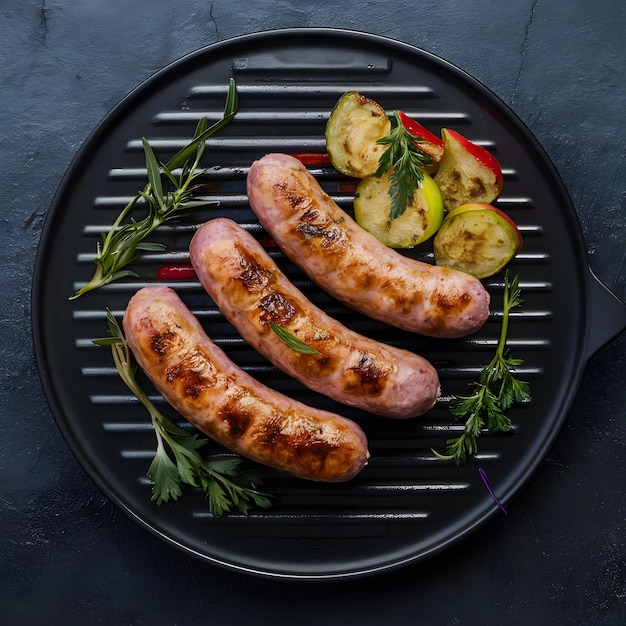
[[406, 505]]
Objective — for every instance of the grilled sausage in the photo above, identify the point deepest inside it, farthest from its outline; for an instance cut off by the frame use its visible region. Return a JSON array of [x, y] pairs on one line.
[[252, 293], [352, 265], [228, 405]]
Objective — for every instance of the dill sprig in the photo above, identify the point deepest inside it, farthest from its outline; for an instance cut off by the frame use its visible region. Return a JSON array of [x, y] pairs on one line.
[[125, 240], [496, 391], [405, 161], [177, 460]]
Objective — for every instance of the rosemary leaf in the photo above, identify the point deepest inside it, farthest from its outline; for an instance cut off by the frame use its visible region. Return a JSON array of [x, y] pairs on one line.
[[122, 244], [292, 341], [405, 161]]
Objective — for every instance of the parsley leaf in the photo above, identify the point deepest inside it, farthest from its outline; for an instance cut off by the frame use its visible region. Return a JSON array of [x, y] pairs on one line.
[[177, 461]]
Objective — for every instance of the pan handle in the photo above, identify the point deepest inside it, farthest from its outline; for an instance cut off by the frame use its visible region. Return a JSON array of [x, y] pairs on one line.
[[607, 316]]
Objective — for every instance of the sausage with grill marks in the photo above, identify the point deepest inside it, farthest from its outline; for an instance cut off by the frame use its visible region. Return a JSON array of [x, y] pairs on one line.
[[351, 264], [252, 293], [224, 402]]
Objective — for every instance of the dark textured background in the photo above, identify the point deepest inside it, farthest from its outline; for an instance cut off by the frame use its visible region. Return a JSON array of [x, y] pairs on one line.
[[69, 557]]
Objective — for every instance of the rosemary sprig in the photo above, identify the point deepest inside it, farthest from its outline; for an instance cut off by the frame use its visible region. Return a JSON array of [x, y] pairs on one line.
[[496, 391], [291, 340], [177, 460], [405, 161], [125, 240]]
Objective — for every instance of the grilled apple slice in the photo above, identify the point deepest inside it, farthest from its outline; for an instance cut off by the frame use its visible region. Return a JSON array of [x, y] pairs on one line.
[[420, 221], [353, 128], [429, 143], [467, 172], [478, 239]]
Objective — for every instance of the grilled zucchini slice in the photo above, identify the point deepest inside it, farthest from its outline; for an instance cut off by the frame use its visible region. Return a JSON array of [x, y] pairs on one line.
[[353, 128], [418, 223]]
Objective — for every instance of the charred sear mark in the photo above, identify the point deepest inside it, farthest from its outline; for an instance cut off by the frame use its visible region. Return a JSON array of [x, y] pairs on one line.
[[191, 381], [366, 376], [253, 276], [295, 200], [293, 197], [272, 434], [237, 418], [477, 188], [450, 302], [161, 343], [316, 225], [308, 443], [276, 308]]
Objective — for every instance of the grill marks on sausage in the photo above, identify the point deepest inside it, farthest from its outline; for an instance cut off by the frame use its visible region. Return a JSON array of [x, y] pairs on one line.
[[317, 225], [274, 306], [236, 415], [310, 442], [314, 224], [161, 343], [254, 277], [287, 436], [225, 403], [257, 278], [366, 375], [294, 195], [192, 382], [451, 303], [444, 305]]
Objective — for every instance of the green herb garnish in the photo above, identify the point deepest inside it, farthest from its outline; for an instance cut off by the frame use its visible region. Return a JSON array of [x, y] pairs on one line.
[[406, 161], [495, 392], [124, 241], [292, 341], [177, 460]]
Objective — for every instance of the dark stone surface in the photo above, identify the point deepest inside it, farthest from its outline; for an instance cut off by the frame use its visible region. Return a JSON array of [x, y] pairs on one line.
[[70, 557]]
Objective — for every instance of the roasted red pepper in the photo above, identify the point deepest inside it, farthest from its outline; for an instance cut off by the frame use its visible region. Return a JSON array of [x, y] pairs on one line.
[[175, 272], [313, 158]]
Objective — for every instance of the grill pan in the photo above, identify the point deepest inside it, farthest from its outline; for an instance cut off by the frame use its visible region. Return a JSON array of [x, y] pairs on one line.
[[406, 505]]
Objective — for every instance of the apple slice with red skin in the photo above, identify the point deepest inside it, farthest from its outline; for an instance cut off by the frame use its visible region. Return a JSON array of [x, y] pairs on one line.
[[467, 172], [429, 143], [478, 239]]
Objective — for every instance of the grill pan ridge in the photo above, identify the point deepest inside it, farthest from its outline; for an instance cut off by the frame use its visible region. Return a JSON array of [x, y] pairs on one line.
[[406, 505]]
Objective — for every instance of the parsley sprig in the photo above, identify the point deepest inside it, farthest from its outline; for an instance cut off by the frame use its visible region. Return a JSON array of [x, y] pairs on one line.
[[405, 161], [125, 240], [495, 392], [177, 460]]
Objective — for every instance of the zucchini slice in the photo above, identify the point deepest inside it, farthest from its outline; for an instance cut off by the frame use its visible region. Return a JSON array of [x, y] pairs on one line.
[[353, 128], [419, 222], [477, 239]]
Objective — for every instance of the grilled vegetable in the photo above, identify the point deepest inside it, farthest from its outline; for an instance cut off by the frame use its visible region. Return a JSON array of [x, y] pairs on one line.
[[467, 172], [478, 239], [419, 222], [432, 145], [352, 132], [406, 162]]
